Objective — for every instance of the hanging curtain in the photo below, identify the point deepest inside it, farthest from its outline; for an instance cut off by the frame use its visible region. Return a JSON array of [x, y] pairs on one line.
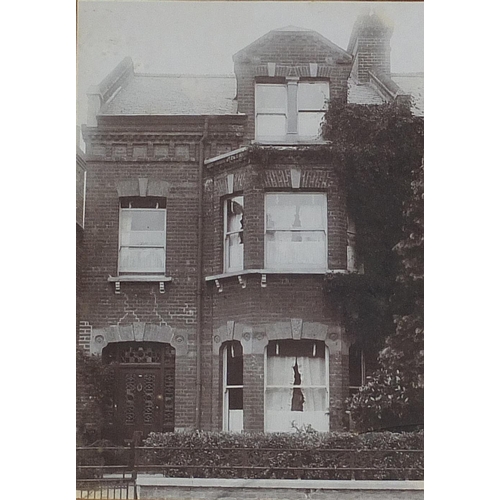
[[279, 373], [312, 371]]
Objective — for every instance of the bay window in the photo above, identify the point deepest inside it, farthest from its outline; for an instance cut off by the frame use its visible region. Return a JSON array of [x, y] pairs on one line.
[[296, 385], [142, 240], [290, 111], [295, 231]]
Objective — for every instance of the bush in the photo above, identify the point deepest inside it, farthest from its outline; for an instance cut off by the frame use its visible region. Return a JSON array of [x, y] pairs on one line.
[[282, 456], [94, 382]]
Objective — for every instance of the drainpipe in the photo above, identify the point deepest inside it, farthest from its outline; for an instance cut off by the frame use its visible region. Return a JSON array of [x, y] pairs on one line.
[[199, 261]]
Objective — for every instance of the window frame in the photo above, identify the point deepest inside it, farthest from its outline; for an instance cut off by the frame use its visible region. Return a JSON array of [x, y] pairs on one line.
[[325, 230], [127, 272], [326, 386], [226, 387], [227, 234], [291, 112]]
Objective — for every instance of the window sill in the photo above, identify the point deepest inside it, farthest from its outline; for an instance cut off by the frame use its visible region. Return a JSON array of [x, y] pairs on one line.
[[290, 143], [139, 278], [264, 272]]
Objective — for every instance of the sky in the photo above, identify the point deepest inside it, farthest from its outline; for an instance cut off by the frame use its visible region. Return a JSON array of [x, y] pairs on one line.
[[201, 37]]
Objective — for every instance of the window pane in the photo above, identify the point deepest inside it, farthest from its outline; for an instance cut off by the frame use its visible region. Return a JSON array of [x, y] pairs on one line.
[[295, 211], [234, 211], [234, 252], [146, 220], [143, 238], [271, 126], [235, 399], [296, 250], [278, 399], [309, 124], [313, 95], [315, 399], [270, 98], [145, 260]]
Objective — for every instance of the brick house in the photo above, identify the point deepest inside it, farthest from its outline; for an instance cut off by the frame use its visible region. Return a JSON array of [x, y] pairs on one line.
[[211, 220]]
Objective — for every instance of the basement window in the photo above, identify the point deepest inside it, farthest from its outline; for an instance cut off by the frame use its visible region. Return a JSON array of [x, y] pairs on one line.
[[296, 386]]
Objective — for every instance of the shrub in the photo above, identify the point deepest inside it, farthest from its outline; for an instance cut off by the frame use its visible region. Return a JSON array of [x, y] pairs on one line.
[[281, 456], [94, 397]]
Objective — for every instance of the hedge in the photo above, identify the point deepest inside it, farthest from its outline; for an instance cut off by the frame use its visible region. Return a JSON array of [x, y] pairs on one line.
[[376, 455]]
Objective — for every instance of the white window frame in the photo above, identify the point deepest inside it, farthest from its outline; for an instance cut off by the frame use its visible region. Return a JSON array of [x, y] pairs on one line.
[[290, 111], [237, 416], [156, 272], [228, 233], [363, 372], [296, 414], [259, 110], [295, 266]]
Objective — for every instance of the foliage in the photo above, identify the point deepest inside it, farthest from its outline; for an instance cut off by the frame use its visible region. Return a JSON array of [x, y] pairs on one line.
[[381, 148], [279, 455], [395, 394], [378, 147], [94, 396]]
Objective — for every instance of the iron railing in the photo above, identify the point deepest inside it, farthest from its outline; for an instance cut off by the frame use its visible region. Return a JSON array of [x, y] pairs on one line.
[[115, 469]]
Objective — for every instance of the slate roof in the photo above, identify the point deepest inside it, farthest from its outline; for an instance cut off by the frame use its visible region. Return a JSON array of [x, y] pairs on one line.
[[412, 83], [215, 95], [364, 93], [367, 93], [174, 95]]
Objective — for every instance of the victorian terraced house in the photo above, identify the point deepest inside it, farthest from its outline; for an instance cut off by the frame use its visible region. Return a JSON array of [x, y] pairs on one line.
[[210, 222]]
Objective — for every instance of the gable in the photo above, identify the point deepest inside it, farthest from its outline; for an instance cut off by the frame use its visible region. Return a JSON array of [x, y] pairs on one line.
[[292, 45]]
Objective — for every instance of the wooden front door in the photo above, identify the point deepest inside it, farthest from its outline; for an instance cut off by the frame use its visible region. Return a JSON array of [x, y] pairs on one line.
[[139, 400], [144, 387]]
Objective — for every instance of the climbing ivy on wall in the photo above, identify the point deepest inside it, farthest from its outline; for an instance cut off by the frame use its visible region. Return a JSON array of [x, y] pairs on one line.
[[381, 152]]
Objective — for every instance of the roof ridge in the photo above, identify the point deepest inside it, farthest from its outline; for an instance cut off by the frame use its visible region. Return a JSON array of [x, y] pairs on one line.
[[410, 73], [184, 75]]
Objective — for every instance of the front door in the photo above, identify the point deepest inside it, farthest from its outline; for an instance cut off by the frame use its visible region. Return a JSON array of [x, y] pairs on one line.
[[144, 387], [139, 400]]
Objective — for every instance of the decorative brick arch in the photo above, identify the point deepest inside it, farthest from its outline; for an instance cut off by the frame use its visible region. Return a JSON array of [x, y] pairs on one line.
[[138, 332]]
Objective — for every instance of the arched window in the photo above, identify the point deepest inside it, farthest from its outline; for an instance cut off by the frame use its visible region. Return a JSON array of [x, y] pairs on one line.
[[296, 385], [232, 387]]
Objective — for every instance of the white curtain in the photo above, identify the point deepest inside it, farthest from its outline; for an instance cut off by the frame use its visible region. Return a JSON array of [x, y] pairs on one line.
[[312, 371], [279, 373]]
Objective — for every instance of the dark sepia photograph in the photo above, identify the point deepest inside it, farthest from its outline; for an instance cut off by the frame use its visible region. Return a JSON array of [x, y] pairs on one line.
[[250, 250]]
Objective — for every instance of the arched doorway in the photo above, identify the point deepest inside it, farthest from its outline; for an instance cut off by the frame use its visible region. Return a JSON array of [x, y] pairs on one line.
[[144, 387]]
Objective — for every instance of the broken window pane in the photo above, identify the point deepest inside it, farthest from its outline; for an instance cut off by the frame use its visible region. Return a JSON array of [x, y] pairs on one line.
[[296, 384], [233, 234]]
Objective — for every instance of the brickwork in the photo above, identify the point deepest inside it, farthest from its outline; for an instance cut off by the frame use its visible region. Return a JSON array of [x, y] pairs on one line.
[[253, 392], [292, 53], [164, 152]]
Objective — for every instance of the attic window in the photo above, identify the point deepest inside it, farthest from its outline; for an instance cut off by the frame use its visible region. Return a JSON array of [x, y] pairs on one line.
[[290, 112]]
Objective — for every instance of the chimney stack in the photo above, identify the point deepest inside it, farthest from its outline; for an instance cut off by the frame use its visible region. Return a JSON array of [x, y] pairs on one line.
[[370, 46]]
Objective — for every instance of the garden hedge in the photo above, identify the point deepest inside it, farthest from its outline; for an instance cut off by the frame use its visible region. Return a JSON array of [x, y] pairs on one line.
[[375, 455]]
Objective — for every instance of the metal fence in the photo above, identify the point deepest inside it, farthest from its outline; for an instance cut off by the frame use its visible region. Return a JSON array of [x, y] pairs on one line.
[[110, 472]]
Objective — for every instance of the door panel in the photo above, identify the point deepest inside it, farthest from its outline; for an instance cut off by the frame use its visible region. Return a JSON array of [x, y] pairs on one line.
[[139, 400]]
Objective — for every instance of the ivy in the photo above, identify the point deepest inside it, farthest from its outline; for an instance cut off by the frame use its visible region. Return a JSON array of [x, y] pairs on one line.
[[381, 148]]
